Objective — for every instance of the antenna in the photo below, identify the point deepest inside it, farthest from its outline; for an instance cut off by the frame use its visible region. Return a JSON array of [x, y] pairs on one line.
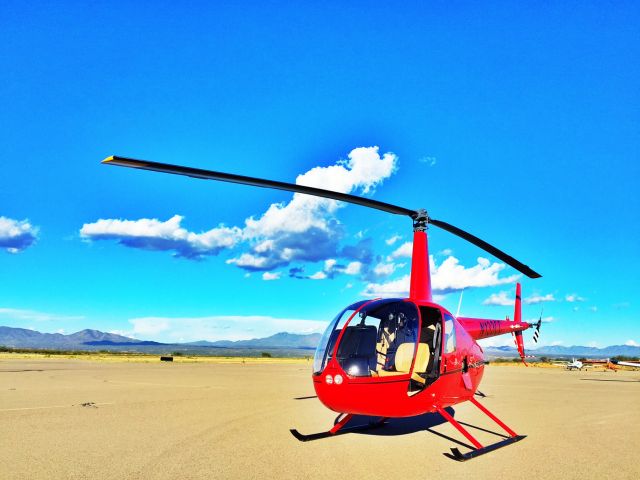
[[459, 303]]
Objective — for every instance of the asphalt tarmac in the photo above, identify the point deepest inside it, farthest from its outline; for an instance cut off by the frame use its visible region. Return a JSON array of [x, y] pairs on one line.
[[77, 419]]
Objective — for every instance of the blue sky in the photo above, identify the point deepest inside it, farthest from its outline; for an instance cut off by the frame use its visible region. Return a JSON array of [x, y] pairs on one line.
[[516, 122]]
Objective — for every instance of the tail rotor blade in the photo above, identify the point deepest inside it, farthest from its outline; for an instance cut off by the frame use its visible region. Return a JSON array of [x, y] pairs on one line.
[[536, 334]]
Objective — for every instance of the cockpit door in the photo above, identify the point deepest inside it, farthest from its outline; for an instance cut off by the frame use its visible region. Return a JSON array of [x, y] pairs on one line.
[[427, 357]]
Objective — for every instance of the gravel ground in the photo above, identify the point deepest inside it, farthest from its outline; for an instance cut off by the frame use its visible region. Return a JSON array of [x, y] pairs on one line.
[[76, 419]]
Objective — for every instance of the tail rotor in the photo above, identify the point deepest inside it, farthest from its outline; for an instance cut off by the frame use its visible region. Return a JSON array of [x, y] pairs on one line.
[[517, 317], [536, 333]]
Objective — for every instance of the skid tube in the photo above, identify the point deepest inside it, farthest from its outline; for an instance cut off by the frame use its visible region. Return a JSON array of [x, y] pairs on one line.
[[338, 429], [479, 448]]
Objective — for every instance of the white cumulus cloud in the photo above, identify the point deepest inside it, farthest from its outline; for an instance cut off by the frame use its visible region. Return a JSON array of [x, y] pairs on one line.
[[392, 240], [392, 288], [303, 229], [449, 276], [502, 298], [404, 250], [153, 234], [150, 325], [533, 299], [16, 235], [332, 268], [271, 276], [251, 262], [384, 269], [353, 268]]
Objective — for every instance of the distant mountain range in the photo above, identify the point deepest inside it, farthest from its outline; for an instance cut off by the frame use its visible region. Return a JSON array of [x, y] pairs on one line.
[[279, 340], [288, 343], [24, 338], [95, 339]]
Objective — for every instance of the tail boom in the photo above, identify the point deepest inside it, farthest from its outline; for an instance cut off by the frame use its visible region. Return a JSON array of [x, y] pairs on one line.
[[484, 327]]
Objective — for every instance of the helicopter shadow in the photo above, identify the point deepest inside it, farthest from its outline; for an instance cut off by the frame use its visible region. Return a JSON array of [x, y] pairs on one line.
[[608, 380], [407, 425]]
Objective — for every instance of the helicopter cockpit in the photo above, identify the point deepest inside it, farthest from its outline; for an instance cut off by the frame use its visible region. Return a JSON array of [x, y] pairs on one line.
[[380, 339]]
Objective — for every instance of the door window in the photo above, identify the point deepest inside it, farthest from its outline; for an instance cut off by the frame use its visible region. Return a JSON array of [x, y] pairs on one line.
[[449, 334]]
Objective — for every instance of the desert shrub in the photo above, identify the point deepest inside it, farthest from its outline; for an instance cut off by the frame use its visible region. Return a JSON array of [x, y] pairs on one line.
[[624, 358]]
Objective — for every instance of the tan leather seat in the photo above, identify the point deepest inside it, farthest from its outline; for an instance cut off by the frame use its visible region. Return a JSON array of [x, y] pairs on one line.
[[404, 357], [423, 355]]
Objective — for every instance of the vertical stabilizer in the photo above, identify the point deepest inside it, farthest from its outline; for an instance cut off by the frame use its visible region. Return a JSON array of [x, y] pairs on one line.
[[517, 314], [517, 318]]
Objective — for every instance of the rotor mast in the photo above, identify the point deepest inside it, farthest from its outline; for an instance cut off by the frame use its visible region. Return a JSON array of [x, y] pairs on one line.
[[420, 289]]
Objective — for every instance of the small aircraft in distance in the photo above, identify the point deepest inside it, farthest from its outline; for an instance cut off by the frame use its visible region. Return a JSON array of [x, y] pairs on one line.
[[605, 363], [626, 364], [572, 365]]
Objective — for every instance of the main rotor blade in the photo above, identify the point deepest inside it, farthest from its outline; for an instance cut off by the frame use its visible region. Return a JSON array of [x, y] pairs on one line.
[[256, 182], [508, 259], [319, 192]]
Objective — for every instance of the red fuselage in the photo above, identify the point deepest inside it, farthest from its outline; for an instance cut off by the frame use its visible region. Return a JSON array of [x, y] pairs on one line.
[[459, 369]]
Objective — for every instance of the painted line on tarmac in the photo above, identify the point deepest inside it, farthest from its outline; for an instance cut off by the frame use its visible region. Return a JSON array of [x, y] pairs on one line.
[[151, 384], [46, 407]]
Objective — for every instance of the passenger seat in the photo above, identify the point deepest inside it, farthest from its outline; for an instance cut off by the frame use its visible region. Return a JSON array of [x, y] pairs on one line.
[[404, 357]]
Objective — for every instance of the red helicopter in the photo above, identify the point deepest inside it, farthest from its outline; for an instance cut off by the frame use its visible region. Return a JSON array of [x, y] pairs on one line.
[[395, 357]]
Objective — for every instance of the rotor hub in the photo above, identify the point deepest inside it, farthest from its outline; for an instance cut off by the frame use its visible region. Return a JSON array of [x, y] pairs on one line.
[[420, 220]]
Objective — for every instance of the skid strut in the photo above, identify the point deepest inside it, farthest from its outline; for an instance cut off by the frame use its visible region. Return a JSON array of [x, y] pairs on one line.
[[338, 429], [480, 449]]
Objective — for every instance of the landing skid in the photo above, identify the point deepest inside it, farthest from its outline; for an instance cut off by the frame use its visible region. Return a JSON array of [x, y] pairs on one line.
[[479, 448], [338, 429], [463, 457]]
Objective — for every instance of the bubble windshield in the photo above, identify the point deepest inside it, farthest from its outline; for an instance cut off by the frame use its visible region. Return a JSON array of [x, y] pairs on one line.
[[328, 340]]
